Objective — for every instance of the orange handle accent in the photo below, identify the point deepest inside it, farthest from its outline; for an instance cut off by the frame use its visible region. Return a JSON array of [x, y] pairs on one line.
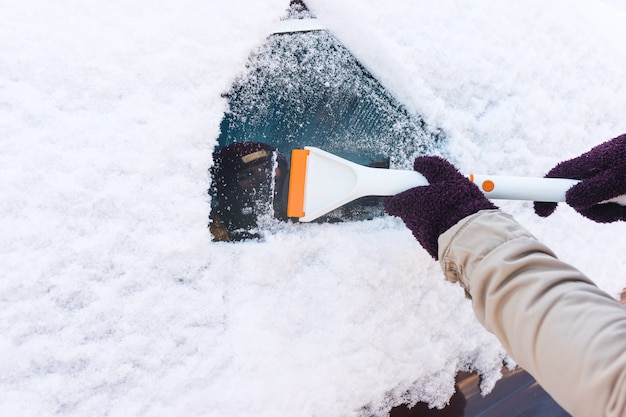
[[488, 186], [297, 181]]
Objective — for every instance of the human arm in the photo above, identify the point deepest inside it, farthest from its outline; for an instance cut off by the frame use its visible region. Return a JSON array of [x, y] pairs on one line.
[[552, 320]]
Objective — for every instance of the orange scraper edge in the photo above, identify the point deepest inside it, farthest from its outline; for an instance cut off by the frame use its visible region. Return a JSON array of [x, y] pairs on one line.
[[297, 177]]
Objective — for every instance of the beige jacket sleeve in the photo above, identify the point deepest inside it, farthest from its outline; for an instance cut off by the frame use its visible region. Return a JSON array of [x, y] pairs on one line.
[[552, 320]]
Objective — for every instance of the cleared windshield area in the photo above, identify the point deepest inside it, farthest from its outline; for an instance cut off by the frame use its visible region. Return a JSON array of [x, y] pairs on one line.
[[304, 89]]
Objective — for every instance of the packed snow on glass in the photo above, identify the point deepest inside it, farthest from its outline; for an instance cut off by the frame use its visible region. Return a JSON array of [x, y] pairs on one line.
[[114, 300]]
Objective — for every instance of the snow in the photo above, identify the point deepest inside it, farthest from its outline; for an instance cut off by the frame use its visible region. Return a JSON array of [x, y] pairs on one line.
[[115, 302]]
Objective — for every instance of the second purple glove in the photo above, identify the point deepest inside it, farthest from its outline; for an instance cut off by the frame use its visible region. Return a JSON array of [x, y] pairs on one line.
[[603, 174], [429, 211]]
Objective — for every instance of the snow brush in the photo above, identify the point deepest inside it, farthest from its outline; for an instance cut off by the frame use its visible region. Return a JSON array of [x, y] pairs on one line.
[[320, 182]]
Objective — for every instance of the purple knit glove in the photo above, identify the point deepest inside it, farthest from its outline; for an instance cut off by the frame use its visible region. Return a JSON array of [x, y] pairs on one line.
[[430, 210], [603, 174]]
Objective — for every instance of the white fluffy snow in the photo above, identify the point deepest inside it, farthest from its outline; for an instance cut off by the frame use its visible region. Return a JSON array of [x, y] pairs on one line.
[[113, 300]]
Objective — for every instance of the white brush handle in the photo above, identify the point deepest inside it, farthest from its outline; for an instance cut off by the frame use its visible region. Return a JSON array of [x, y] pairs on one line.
[[522, 188], [497, 187], [528, 188]]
